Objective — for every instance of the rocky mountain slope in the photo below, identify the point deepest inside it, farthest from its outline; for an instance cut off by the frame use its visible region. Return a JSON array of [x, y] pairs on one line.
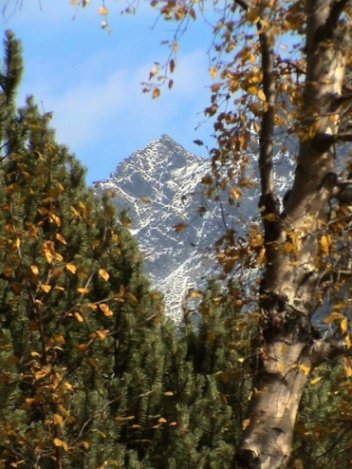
[[160, 186]]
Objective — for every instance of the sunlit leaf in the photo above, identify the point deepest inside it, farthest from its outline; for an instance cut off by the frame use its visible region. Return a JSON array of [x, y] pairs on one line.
[[34, 270], [78, 316], [103, 11], [235, 193], [104, 308], [60, 238], [156, 93], [60, 444], [305, 369], [347, 368], [194, 294], [315, 380], [344, 325], [46, 288], [54, 218], [245, 423], [325, 243], [103, 274], [153, 71], [71, 268], [40, 374], [102, 334], [261, 95], [58, 420], [213, 72]]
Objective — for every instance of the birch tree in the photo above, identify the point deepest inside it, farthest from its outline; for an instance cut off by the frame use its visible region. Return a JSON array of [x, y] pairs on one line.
[[282, 71]]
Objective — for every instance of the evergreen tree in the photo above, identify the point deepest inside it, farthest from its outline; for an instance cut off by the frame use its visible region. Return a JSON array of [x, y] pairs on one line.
[[91, 373], [80, 329]]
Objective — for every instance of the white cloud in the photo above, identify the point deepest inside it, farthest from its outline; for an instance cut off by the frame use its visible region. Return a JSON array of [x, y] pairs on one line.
[[84, 111]]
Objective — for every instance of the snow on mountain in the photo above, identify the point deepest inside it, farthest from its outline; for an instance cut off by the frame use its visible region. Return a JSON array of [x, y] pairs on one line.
[[160, 186]]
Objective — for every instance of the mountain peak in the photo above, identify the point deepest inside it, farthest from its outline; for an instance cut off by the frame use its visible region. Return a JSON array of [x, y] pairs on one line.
[[167, 139]]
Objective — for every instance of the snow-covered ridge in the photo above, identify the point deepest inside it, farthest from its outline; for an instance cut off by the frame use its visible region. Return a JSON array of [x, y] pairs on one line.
[[160, 186]]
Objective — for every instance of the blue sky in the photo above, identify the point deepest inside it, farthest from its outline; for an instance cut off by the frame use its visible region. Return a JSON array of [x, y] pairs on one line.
[[91, 79]]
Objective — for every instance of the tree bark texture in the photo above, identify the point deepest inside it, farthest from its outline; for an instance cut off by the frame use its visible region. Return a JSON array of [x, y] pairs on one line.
[[291, 276]]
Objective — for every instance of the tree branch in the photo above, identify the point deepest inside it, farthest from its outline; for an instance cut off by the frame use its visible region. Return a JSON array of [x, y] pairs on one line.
[[335, 13], [328, 30], [243, 4], [267, 126]]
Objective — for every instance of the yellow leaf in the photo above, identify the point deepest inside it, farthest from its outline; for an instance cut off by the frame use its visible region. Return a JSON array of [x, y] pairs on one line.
[[348, 342], [261, 95], [162, 420], [48, 251], [334, 316], [252, 90], [42, 373], [153, 72], [34, 269], [168, 393], [103, 274], [68, 386], [156, 93], [75, 212], [54, 218], [59, 339], [195, 294], [305, 369], [103, 11], [251, 58], [245, 423], [236, 193], [58, 420], [213, 72], [261, 256], [35, 354], [78, 316], [46, 288], [344, 326], [102, 334], [104, 308], [315, 380], [85, 444], [60, 238], [347, 369], [60, 443], [257, 241], [29, 401], [71, 268], [325, 243], [82, 290]]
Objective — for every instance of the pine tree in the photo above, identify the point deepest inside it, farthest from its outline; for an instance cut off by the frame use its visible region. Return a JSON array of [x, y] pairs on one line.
[[92, 375], [81, 358]]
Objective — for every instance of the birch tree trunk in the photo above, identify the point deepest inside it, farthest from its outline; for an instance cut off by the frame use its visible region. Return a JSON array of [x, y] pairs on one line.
[[292, 240]]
